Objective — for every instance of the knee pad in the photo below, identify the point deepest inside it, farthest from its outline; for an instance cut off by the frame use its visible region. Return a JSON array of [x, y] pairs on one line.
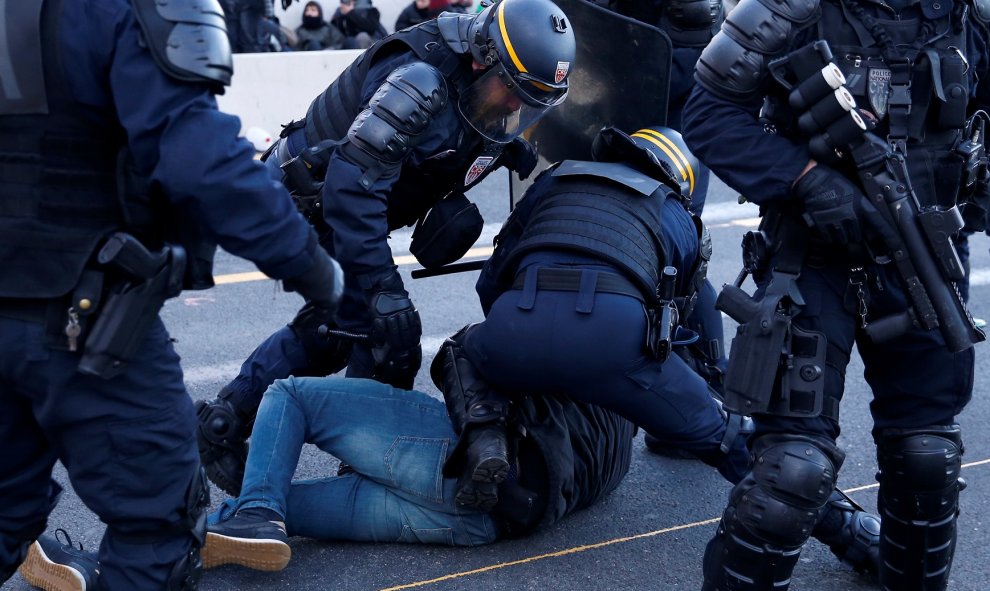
[[771, 513], [788, 485], [919, 503], [919, 471]]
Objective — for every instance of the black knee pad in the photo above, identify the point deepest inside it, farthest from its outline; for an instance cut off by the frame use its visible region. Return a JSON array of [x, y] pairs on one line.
[[771, 513], [919, 470], [790, 481], [919, 503]]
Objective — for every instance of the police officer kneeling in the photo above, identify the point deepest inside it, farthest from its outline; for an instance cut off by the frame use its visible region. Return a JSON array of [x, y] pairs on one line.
[[421, 117], [110, 134], [594, 274]]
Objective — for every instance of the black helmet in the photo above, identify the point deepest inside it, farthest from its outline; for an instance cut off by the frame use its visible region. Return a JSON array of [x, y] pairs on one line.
[[651, 150], [527, 48]]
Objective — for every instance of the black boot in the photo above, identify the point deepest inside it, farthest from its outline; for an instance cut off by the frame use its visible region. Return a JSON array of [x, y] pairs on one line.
[[851, 533], [480, 461], [222, 437]]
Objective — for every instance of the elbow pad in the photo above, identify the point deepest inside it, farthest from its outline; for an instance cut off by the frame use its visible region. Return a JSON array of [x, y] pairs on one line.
[[187, 39], [734, 64], [384, 133]]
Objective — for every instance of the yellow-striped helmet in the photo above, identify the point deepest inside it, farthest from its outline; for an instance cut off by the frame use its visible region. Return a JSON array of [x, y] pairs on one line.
[[527, 48], [667, 147]]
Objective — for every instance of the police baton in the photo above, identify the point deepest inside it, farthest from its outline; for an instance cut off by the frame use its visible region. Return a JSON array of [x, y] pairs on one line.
[[448, 269]]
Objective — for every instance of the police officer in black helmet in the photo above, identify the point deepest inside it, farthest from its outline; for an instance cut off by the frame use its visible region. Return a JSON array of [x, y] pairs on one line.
[[118, 177], [882, 122], [418, 119]]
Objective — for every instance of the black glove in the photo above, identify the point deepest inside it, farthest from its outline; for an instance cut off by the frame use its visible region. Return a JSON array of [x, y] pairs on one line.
[[831, 204], [395, 332], [520, 156], [323, 285]]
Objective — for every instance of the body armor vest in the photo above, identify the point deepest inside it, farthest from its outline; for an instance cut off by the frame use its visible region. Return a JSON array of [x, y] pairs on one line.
[[931, 120], [599, 218], [58, 190], [331, 114]]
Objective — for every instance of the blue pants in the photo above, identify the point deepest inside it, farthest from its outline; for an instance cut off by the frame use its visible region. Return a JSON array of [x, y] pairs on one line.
[[127, 443], [395, 440], [599, 357]]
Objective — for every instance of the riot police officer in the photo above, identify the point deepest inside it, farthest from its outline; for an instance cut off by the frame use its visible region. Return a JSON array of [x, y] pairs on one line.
[[910, 71], [110, 135], [587, 294], [419, 118]]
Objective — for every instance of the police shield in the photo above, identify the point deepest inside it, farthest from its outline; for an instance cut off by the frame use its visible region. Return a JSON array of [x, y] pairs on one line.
[[620, 78]]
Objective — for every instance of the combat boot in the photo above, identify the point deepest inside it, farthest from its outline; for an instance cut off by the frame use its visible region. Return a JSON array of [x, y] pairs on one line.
[[851, 533], [222, 438], [480, 460]]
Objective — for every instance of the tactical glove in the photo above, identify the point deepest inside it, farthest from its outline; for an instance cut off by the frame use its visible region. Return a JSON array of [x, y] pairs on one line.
[[831, 204], [395, 332], [520, 156]]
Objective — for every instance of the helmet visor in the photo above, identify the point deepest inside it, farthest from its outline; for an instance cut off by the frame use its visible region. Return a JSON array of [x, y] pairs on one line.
[[500, 106]]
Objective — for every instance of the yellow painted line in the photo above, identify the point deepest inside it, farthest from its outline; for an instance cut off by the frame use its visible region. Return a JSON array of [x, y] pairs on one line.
[[505, 40], [565, 552], [577, 549], [482, 251]]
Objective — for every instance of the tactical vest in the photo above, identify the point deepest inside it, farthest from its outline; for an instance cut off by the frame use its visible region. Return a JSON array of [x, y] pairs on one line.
[[331, 114], [58, 161], [601, 218], [921, 101]]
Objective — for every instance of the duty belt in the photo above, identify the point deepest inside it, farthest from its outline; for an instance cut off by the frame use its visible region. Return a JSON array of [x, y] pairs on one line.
[[575, 280]]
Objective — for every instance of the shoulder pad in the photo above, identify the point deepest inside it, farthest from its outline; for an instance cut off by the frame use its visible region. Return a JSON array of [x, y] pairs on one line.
[[611, 171], [455, 29], [187, 38], [981, 10]]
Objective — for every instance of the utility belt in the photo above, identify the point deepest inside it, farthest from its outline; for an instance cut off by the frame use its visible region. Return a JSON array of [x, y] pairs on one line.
[[108, 314], [522, 497], [663, 315]]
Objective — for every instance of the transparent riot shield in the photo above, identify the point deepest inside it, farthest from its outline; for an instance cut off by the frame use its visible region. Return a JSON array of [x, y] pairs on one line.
[[620, 77]]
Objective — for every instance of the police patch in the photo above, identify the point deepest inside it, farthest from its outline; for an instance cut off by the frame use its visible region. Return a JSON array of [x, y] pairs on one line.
[[480, 165], [562, 68], [878, 90]]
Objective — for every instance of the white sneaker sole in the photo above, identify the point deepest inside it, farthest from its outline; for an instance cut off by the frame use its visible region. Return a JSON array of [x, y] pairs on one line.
[[266, 555], [41, 572]]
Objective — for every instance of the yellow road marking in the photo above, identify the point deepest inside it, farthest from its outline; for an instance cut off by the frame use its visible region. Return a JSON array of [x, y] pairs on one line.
[[583, 548]]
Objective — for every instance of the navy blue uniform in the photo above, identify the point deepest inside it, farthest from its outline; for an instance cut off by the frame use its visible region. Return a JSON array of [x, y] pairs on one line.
[[591, 345], [128, 442], [357, 223], [757, 544]]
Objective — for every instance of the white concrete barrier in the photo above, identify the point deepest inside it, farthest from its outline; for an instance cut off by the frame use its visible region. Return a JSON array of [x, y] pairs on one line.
[[270, 89]]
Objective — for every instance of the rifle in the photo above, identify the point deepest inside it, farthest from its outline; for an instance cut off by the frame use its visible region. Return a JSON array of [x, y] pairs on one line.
[[916, 238]]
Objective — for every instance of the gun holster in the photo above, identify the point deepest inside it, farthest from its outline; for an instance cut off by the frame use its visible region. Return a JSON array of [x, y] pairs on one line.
[[131, 304], [767, 348]]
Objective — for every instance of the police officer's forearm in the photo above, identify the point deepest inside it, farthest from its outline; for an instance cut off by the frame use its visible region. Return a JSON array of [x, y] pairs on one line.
[[712, 123]]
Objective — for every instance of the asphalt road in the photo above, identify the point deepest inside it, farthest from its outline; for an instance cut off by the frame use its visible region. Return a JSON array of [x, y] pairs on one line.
[[649, 534]]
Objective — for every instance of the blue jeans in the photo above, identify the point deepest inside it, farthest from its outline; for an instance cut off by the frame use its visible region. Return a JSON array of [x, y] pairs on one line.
[[397, 442]]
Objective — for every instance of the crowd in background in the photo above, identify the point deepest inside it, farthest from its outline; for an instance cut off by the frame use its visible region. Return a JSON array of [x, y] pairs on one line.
[[253, 26]]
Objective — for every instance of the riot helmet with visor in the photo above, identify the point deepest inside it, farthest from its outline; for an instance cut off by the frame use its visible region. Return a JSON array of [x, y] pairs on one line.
[[525, 50]]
